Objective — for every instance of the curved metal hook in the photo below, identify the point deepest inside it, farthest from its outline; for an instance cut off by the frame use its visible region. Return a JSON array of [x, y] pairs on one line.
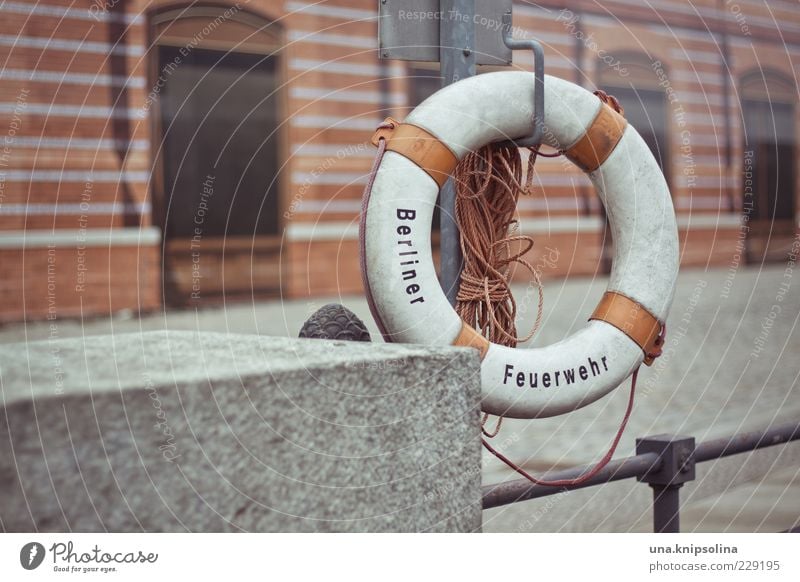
[[538, 83]]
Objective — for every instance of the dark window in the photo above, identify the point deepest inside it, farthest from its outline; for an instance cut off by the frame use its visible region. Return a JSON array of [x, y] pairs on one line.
[[218, 119], [646, 110], [645, 104], [644, 99], [768, 192], [422, 84], [769, 138]]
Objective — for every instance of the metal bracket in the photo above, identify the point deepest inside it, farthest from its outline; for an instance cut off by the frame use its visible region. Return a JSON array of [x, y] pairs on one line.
[[677, 459], [676, 468], [538, 83]]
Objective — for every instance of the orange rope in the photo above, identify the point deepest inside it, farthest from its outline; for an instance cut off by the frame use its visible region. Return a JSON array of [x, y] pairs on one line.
[[588, 474], [488, 186]]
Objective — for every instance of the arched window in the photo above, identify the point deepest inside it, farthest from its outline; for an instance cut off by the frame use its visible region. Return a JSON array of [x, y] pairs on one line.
[[631, 78], [216, 111], [769, 179]]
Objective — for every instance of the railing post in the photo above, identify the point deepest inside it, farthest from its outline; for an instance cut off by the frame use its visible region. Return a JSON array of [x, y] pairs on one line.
[[675, 469]]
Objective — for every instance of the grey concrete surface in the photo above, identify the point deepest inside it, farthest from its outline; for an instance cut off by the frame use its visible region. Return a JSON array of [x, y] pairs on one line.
[[731, 364], [175, 431]]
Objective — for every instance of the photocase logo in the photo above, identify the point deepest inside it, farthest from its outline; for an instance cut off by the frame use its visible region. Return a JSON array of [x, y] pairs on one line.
[[31, 555]]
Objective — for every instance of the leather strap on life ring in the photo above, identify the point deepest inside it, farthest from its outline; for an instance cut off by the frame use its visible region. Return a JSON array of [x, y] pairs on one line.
[[419, 146], [470, 338], [632, 319], [600, 139]]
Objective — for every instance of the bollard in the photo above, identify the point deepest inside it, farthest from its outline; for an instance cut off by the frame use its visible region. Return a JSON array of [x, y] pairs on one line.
[[335, 322]]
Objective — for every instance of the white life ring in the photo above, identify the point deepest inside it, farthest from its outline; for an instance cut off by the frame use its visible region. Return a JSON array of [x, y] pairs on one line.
[[406, 299]]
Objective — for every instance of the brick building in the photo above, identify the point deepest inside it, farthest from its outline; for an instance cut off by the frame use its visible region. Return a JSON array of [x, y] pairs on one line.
[[160, 153]]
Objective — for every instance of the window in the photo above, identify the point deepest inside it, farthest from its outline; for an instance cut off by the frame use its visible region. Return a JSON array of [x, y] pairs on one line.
[[632, 80], [218, 122], [769, 179], [217, 145], [644, 101], [422, 83], [769, 139], [646, 110]]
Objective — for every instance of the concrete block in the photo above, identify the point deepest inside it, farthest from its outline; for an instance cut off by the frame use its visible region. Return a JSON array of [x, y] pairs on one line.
[[182, 431]]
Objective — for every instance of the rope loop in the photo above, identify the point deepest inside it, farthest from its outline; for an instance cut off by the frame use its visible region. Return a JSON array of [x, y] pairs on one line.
[[488, 185]]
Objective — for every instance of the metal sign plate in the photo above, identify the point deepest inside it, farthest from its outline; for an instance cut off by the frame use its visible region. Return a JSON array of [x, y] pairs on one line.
[[408, 30]]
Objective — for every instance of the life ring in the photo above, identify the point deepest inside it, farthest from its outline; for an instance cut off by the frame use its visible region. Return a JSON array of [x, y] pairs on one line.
[[404, 294]]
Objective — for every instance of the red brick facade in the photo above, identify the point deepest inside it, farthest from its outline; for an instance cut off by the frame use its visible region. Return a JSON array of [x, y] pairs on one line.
[[81, 169]]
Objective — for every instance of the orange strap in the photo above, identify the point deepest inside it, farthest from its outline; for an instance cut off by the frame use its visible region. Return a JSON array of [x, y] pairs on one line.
[[419, 146], [470, 338], [628, 316], [603, 135], [632, 319]]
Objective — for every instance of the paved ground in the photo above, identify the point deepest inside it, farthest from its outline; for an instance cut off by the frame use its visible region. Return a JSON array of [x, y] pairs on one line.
[[731, 364]]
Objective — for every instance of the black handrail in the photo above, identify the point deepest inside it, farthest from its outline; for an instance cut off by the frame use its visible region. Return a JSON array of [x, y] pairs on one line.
[[747, 441], [522, 489], [665, 462]]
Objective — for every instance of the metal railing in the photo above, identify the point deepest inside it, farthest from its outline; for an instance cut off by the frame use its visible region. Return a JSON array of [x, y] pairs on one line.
[[665, 462]]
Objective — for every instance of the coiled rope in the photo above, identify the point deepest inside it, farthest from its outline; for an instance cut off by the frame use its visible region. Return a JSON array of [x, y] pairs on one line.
[[488, 185]]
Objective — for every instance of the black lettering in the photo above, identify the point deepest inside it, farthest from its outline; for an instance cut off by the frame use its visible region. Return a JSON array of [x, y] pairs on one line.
[[509, 369], [403, 229], [412, 289], [418, 300], [412, 274], [404, 214], [553, 379]]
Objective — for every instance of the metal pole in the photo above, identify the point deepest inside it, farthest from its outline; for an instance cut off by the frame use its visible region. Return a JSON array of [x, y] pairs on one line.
[[748, 441], [457, 58], [666, 508], [522, 489]]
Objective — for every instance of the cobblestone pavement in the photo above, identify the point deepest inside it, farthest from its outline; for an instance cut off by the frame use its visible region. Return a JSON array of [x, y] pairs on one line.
[[731, 363]]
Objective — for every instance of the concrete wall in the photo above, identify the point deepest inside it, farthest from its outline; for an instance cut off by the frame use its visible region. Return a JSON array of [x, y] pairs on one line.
[[211, 432]]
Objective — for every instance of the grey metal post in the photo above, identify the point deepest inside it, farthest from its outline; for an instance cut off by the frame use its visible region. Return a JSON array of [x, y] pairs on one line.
[[666, 508], [676, 468], [457, 58]]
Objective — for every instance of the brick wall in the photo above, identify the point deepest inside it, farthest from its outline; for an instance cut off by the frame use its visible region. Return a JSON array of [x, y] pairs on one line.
[[706, 185], [79, 157], [75, 216]]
